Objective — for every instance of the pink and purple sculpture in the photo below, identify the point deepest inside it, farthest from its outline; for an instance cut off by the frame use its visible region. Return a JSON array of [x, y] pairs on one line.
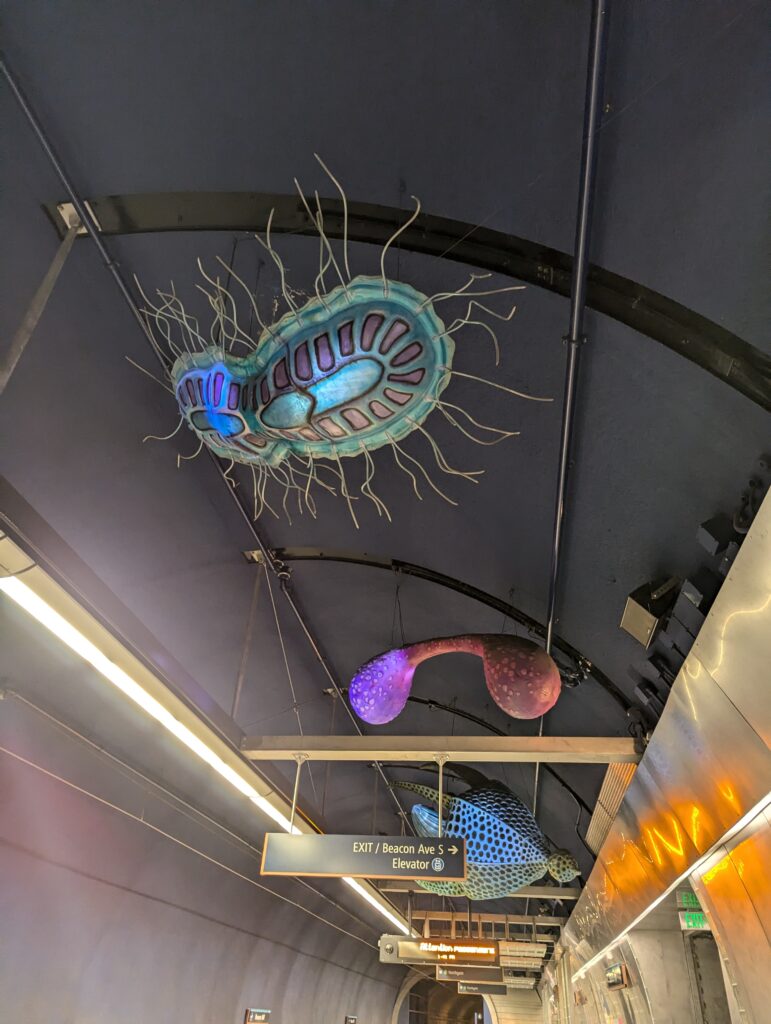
[[522, 678]]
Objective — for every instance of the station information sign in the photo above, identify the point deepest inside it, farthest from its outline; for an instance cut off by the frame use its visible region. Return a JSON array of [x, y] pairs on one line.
[[466, 972], [512, 950], [472, 988], [395, 949], [330, 856], [350, 1019], [520, 963], [256, 1016]]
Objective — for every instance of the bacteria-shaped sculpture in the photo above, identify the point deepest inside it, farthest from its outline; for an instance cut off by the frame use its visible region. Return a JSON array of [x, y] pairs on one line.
[[356, 368], [522, 678], [505, 848]]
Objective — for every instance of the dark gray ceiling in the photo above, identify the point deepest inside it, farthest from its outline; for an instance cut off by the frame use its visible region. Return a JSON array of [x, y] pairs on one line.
[[476, 108]]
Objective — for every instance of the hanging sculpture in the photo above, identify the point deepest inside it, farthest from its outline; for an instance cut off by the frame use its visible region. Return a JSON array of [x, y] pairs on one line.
[[505, 848], [352, 370], [522, 678]]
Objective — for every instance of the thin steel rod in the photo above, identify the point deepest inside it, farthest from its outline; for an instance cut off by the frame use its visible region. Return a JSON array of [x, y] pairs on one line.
[[85, 217], [574, 338], [92, 228], [247, 645], [300, 761], [592, 114], [440, 761], [35, 309], [284, 579]]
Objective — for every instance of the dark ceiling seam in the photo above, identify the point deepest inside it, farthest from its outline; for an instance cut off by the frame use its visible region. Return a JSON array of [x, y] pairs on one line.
[[685, 332], [94, 232]]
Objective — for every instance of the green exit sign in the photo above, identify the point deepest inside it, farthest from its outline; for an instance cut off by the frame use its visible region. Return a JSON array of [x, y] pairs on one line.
[[693, 920], [688, 900]]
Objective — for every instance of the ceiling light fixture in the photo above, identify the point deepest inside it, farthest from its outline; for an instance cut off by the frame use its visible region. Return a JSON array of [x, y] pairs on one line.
[[71, 636]]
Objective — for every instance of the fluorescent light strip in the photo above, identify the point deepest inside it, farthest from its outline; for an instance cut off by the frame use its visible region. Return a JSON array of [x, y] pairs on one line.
[[357, 887], [40, 610], [77, 642], [699, 864]]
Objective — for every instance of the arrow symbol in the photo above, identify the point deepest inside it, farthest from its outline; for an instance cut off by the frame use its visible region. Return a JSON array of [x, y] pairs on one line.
[[453, 849]]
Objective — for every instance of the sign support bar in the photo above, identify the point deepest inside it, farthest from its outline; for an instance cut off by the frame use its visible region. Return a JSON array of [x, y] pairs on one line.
[[463, 749]]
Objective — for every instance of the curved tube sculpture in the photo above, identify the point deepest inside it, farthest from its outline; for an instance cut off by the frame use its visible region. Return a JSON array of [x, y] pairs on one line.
[[522, 678]]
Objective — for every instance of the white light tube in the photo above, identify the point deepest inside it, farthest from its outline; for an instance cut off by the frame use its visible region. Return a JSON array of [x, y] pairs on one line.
[[39, 609], [74, 639], [357, 887]]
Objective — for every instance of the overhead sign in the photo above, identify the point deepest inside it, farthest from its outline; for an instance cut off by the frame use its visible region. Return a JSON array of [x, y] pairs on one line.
[[511, 952], [520, 982], [466, 972], [521, 963], [349, 1019], [256, 1016], [688, 900], [471, 988], [329, 856], [395, 949], [694, 920]]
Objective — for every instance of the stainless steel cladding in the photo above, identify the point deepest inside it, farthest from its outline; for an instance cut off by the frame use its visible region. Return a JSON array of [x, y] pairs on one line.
[[708, 765]]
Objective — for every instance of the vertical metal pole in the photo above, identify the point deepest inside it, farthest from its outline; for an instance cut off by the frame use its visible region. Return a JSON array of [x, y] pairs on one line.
[[300, 759], [574, 337], [247, 644], [441, 759], [36, 308], [409, 910], [82, 210]]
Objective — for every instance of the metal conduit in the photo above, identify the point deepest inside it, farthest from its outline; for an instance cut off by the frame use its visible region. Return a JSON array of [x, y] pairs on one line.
[[279, 570], [574, 337]]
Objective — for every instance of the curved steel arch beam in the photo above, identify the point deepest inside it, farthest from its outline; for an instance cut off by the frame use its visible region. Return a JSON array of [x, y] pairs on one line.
[[581, 663], [701, 341]]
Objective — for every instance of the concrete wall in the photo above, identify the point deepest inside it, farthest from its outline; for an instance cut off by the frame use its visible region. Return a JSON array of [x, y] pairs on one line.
[[104, 919]]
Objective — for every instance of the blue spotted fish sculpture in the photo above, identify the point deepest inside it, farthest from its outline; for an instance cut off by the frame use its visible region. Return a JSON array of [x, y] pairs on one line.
[[505, 848]]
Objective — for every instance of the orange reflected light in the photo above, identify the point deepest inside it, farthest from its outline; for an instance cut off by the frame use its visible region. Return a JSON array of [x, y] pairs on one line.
[[728, 793], [672, 847], [720, 866], [695, 825], [656, 853]]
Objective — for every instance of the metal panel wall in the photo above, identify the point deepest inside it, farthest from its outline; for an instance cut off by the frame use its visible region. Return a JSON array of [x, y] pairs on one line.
[[707, 766], [735, 891]]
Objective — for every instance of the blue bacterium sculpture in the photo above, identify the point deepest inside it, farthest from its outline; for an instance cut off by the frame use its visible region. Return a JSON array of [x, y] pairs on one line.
[[355, 368]]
